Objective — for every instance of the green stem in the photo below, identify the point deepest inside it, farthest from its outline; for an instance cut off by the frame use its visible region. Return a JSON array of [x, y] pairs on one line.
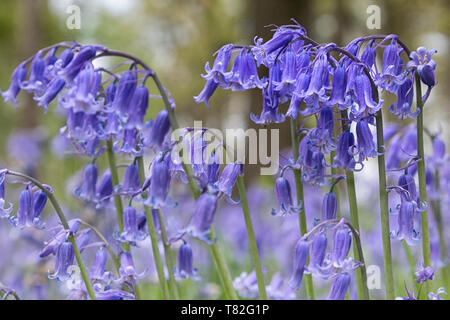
[[168, 256], [154, 237], [309, 287], [410, 258], [422, 182], [251, 238], [62, 218], [384, 210], [361, 276], [115, 183]]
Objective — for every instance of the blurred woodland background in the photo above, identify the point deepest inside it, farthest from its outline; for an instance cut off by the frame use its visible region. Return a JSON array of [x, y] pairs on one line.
[[176, 38]]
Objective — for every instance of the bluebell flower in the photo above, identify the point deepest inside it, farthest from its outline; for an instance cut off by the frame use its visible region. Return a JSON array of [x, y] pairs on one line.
[[244, 74], [139, 105], [369, 54], [36, 82], [318, 252], [114, 294], [405, 221], [65, 257], [124, 94], [50, 93], [424, 274], [5, 207], [424, 64], [437, 295], [299, 93], [284, 197], [340, 287], [104, 189], [269, 113], [228, 178], [207, 92], [87, 190], [363, 99], [219, 73], [366, 145], [159, 184], [329, 206], [289, 68], [127, 270], [315, 96], [17, 78], [405, 95], [392, 74], [338, 91], [72, 68], [204, 211], [29, 210], [130, 232], [158, 130], [341, 247], [131, 143], [185, 260], [265, 53], [98, 271], [131, 182], [300, 258], [246, 285], [82, 95], [345, 152]]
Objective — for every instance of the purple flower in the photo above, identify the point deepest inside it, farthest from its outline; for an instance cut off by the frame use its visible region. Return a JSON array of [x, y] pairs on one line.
[[341, 247], [204, 211], [366, 144], [158, 130], [17, 78], [424, 64], [185, 267], [391, 74], [30, 208], [87, 191], [124, 93], [228, 178], [5, 207], [65, 257], [300, 258], [269, 113], [299, 94], [405, 94], [345, 152], [58, 238], [424, 274], [130, 233], [104, 189], [329, 206], [244, 74], [131, 182], [127, 270], [159, 184], [405, 221], [72, 68], [82, 96], [207, 92], [339, 287], [218, 73], [318, 251], [139, 105], [284, 197], [36, 82], [50, 93], [98, 272]]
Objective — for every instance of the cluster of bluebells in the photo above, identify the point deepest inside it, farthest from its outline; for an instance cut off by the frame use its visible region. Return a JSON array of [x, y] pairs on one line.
[[105, 109], [330, 85]]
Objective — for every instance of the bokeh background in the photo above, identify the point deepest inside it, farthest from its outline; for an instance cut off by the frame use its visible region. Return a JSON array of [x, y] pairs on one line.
[[176, 38]]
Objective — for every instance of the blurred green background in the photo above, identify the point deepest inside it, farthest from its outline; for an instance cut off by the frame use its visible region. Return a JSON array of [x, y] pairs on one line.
[[177, 37]]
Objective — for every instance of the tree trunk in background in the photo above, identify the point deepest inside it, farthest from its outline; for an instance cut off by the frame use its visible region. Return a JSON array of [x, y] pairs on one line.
[[29, 41]]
